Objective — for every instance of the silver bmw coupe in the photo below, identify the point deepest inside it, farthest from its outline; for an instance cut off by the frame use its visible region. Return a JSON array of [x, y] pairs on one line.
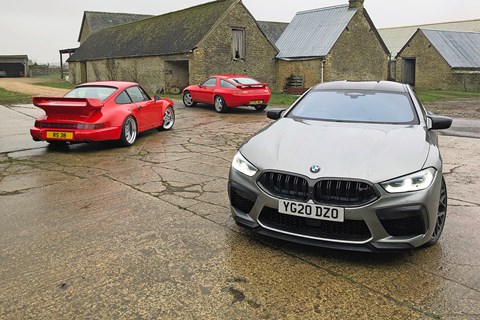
[[350, 165]]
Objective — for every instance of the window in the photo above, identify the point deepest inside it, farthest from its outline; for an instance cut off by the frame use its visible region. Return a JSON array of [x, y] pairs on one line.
[[97, 92], [123, 98], [210, 82], [356, 106], [226, 84], [137, 94], [238, 44]]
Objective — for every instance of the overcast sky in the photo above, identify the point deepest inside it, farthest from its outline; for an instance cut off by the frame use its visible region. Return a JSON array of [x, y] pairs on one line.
[[41, 28]]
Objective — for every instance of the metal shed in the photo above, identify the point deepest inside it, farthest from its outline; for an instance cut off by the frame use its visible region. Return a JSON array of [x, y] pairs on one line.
[[14, 66]]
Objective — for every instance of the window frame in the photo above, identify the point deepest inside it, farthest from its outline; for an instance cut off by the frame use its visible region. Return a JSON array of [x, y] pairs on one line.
[[238, 44]]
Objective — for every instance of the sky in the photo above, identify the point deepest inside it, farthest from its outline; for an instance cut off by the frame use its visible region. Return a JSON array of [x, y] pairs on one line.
[[41, 28]]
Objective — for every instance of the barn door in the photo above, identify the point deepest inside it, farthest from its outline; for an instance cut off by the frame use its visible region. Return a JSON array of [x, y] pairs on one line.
[[408, 71]]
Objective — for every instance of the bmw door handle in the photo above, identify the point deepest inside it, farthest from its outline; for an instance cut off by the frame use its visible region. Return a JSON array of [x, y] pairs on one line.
[[139, 107]]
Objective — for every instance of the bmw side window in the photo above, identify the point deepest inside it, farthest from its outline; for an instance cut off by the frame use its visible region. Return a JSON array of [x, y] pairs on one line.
[[226, 84], [135, 94], [210, 82], [123, 98]]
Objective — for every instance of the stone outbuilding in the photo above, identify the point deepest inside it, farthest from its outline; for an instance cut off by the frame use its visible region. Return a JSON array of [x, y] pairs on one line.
[[334, 43], [396, 38], [438, 59], [171, 51], [14, 66]]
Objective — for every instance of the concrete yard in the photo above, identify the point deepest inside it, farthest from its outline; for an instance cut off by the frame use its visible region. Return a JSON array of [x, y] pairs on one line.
[[97, 231]]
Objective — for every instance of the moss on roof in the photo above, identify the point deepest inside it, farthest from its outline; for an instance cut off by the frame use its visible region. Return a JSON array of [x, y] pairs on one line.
[[175, 32], [273, 30], [101, 20]]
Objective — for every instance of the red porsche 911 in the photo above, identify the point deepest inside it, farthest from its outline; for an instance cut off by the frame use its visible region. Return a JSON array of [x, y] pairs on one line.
[[104, 110], [228, 91]]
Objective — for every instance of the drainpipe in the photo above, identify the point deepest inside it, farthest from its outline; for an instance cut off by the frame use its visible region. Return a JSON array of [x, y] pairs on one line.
[[323, 70]]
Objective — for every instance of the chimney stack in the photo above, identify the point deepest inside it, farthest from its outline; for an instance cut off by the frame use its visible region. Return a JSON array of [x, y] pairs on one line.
[[356, 4]]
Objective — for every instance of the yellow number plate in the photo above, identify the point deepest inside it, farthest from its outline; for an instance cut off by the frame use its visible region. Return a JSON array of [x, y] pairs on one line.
[[256, 101], [60, 135]]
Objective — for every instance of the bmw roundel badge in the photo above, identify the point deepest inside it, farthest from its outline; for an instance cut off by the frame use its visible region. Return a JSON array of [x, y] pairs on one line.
[[314, 168]]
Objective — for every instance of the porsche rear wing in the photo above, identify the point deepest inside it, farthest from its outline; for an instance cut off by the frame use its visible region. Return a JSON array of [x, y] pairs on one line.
[[77, 106], [252, 86]]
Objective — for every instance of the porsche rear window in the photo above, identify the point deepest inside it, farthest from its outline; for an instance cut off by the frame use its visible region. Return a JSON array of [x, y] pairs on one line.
[[356, 106], [243, 80], [98, 92]]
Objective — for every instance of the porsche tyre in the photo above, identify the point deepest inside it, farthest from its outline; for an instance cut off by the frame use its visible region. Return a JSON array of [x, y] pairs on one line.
[[188, 99], [220, 105], [168, 119], [129, 132], [260, 107]]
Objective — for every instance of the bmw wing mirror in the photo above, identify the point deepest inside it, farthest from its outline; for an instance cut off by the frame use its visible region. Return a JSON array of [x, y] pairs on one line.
[[156, 97], [275, 114], [439, 122]]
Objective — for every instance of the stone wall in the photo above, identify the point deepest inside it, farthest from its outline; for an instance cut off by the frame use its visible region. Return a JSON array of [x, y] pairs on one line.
[[214, 53], [357, 54], [432, 71], [310, 70]]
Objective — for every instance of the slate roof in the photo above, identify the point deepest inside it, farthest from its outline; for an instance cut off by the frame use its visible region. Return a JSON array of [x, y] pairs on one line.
[[459, 49], [273, 30], [313, 33], [396, 38], [101, 20], [171, 33]]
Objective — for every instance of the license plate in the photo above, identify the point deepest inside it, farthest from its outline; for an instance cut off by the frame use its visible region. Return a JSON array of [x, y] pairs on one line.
[[256, 102], [312, 211], [60, 135]]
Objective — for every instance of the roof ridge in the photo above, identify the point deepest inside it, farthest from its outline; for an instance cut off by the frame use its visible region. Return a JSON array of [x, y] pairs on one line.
[[123, 13], [323, 9], [449, 31], [430, 24]]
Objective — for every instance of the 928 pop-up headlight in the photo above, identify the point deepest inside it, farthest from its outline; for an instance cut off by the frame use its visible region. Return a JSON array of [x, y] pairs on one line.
[[413, 182], [242, 165]]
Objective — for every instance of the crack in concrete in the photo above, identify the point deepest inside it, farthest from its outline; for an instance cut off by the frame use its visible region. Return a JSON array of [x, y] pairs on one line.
[[468, 204]]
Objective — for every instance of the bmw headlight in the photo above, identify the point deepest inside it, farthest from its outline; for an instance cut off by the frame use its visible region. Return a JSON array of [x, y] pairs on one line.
[[413, 182], [241, 164]]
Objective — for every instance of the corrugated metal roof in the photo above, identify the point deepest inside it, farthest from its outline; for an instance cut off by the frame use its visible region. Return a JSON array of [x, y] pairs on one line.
[[313, 33], [459, 49], [396, 38]]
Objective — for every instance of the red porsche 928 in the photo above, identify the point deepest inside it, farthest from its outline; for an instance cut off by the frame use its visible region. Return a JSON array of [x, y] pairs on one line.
[[104, 110], [228, 91]]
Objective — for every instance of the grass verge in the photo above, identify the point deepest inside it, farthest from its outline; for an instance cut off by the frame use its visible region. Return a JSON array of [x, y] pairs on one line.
[[11, 97], [435, 95], [55, 84]]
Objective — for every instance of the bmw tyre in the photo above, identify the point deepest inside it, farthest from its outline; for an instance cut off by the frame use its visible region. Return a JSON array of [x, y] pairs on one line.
[[129, 132], [220, 105], [441, 215], [188, 99], [168, 119]]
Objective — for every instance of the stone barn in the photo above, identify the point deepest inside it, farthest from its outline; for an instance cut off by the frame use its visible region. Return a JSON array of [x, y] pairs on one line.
[[170, 51], [439, 59], [334, 43]]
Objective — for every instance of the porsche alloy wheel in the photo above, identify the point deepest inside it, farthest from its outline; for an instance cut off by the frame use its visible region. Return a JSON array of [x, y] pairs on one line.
[[168, 119], [188, 99], [220, 105], [441, 215], [260, 107], [129, 131]]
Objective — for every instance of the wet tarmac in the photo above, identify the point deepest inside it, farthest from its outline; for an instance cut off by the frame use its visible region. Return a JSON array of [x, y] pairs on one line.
[[98, 231]]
